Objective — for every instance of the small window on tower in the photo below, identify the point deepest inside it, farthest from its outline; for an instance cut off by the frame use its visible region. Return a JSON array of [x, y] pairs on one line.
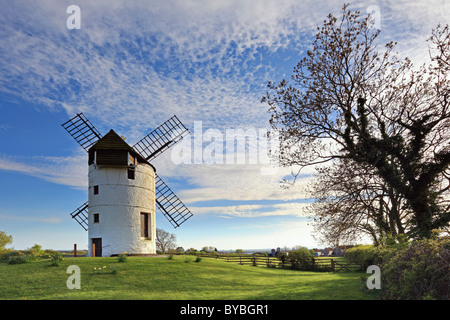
[[145, 225], [131, 174], [96, 218], [95, 189]]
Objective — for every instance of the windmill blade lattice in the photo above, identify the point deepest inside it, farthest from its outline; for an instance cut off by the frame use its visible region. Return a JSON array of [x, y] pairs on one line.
[[169, 204], [81, 215], [82, 131], [160, 139]]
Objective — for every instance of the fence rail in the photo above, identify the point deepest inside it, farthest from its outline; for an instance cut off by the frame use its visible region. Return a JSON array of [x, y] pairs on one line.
[[318, 264]]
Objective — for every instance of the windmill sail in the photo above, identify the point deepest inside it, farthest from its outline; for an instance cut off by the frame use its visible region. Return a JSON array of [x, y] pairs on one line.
[[82, 131], [169, 204], [81, 215], [160, 139]]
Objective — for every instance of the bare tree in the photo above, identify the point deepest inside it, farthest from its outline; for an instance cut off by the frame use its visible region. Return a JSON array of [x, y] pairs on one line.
[[349, 101], [165, 240], [352, 201]]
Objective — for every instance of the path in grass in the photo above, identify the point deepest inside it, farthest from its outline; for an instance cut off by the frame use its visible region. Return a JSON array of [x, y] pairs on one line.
[[163, 279]]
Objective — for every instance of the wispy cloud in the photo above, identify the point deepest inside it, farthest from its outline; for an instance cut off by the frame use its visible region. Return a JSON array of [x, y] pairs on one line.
[[29, 218], [133, 64], [255, 210], [70, 171], [139, 62]]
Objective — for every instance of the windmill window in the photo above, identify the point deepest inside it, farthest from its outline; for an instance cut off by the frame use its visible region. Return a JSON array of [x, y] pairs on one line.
[[131, 174], [95, 189], [96, 218], [145, 225]]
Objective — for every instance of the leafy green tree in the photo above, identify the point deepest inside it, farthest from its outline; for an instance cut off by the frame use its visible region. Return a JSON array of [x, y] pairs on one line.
[[5, 239]]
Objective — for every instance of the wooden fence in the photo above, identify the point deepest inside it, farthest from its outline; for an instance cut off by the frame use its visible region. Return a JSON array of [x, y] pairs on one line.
[[318, 264]]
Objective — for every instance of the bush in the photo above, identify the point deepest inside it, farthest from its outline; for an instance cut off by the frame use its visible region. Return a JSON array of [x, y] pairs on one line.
[[301, 258], [191, 251], [21, 258], [9, 253], [418, 272], [37, 250], [366, 254], [122, 257], [17, 259], [56, 258]]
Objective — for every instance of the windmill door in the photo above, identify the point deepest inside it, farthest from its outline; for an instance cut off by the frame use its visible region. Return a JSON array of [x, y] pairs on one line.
[[97, 247]]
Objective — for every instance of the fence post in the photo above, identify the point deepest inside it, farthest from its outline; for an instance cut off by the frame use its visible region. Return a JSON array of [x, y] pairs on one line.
[[93, 249], [75, 250], [332, 265]]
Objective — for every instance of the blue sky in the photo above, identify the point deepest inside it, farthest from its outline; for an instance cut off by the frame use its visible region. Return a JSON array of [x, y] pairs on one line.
[[130, 67]]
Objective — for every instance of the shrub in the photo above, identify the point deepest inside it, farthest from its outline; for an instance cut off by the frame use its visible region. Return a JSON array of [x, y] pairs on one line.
[[191, 251], [301, 258], [56, 258], [198, 259], [418, 272], [49, 252], [366, 254], [37, 250], [170, 257], [7, 254], [283, 257], [122, 257], [21, 258], [17, 259], [213, 254]]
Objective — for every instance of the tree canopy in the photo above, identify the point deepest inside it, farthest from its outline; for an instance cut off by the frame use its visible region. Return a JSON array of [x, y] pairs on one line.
[[347, 100]]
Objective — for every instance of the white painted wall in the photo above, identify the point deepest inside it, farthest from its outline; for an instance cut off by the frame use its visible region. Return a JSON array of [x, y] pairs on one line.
[[119, 203]]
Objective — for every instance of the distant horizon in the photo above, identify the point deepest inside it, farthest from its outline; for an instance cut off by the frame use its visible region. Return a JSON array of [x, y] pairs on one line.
[[266, 250]]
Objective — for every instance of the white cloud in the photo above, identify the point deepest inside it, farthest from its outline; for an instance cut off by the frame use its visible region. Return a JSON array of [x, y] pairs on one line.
[[140, 62], [253, 210], [71, 171], [29, 218], [134, 64], [230, 181]]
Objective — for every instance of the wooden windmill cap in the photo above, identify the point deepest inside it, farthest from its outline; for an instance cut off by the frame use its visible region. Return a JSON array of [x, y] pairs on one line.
[[112, 149]]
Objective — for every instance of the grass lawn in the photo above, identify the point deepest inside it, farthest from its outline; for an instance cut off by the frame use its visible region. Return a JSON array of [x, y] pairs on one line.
[[158, 278]]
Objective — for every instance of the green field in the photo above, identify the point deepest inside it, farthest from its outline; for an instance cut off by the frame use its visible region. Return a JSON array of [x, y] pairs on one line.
[[158, 278]]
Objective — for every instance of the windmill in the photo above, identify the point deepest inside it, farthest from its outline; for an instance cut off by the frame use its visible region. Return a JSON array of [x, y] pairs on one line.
[[124, 189]]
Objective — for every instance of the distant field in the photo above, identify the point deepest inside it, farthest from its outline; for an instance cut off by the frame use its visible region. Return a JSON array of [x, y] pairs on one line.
[[158, 278]]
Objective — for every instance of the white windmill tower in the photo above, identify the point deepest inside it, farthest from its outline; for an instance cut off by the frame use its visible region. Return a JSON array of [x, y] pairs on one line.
[[124, 188]]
